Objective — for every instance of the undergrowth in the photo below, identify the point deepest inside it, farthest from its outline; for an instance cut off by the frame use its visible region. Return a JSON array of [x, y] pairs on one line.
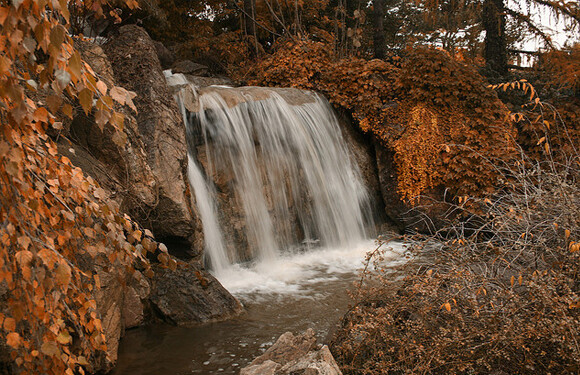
[[496, 291]]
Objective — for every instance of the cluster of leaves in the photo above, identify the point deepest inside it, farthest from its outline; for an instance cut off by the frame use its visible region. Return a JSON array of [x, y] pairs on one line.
[[551, 124], [55, 222], [565, 67], [495, 293], [468, 124]]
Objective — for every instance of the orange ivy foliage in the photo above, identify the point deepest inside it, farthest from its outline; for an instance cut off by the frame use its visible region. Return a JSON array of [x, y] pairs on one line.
[[55, 223], [565, 67], [467, 127]]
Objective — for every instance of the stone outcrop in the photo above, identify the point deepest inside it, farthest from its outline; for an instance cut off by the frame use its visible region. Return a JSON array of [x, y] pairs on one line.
[[189, 67], [120, 302], [188, 296], [166, 57], [146, 177], [121, 169], [137, 68], [294, 355]]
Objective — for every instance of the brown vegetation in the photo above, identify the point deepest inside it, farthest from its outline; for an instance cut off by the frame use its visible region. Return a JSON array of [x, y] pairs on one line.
[[437, 113], [496, 291]]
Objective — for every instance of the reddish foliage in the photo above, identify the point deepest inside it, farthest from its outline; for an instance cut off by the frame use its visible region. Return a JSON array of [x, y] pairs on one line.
[[469, 120]]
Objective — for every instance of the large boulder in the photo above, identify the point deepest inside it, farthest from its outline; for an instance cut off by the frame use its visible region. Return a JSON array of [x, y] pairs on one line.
[[121, 304], [120, 168], [189, 295], [137, 68]]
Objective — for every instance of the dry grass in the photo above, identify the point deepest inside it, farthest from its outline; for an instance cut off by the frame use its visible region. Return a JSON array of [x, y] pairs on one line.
[[494, 292]]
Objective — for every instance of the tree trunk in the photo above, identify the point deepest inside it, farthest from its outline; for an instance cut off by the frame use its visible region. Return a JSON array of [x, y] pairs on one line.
[[495, 39], [378, 29], [250, 24]]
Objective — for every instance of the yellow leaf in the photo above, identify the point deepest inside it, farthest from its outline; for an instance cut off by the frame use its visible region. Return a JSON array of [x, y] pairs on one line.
[[81, 360], [10, 324], [447, 306], [512, 281], [74, 66], [64, 338], [63, 273], [118, 94], [102, 87], [49, 348], [567, 233], [86, 100], [13, 340]]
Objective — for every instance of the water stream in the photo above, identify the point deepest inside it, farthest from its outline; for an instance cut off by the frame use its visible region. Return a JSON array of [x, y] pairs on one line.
[[292, 293], [285, 217]]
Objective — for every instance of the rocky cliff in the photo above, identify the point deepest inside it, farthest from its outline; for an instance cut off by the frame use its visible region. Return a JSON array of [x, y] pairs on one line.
[[146, 176]]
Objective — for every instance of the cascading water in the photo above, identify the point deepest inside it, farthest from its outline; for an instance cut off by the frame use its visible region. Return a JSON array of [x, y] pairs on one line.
[[271, 175], [285, 163]]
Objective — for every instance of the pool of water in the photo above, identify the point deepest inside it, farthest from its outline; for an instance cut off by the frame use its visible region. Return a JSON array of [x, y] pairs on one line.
[[307, 289]]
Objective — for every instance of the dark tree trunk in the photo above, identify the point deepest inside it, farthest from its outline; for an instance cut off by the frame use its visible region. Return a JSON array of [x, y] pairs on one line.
[[250, 24], [495, 39], [378, 28]]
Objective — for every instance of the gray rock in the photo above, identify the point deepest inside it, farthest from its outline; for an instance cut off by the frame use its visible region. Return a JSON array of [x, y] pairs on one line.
[[189, 67], [166, 57], [137, 68], [294, 355], [266, 368], [189, 296], [319, 362], [288, 348]]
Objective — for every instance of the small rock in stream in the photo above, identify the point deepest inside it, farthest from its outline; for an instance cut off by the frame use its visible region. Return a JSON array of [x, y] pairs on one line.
[[294, 355]]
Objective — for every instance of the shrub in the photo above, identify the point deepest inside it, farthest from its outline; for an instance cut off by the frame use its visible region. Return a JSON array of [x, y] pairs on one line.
[[496, 292]]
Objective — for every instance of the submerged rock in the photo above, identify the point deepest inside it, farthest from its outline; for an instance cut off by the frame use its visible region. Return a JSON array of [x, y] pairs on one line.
[[294, 355]]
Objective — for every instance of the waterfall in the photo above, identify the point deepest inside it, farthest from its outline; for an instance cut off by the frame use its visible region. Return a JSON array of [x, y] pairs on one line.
[[270, 172]]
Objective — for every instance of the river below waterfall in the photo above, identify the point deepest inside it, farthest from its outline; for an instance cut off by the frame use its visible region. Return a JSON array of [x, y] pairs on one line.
[[306, 289]]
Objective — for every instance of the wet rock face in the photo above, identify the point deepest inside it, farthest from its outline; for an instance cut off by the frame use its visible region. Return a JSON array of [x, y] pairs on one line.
[[293, 355], [189, 296], [363, 151], [137, 68]]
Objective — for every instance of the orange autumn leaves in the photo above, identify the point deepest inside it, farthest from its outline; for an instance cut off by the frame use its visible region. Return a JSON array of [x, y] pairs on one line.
[[465, 131], [55, 223]]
